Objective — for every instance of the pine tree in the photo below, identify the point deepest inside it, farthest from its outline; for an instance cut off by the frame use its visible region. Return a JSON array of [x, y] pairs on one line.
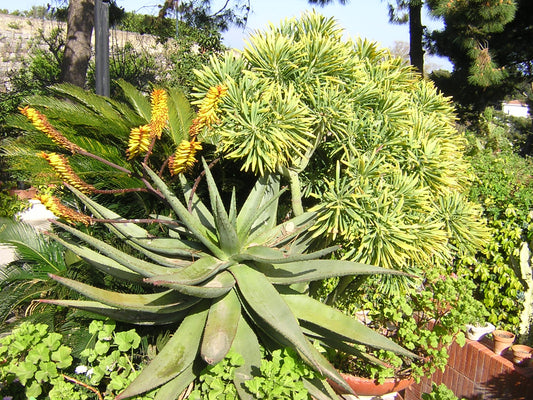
[[469, 29]]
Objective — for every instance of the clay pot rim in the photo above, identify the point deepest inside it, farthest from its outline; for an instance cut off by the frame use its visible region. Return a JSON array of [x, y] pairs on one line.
[[522, 348], [503, 334], [370, 387]]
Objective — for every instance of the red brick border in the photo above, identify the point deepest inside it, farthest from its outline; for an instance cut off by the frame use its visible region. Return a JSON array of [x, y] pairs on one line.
[[475, 372]]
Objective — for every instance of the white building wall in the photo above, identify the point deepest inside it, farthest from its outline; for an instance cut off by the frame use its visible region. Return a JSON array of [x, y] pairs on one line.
[[516, 109]]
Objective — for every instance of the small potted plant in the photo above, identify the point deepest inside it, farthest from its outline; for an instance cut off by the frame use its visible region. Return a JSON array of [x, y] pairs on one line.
[[502, 340], [478, 326], [521, 354]]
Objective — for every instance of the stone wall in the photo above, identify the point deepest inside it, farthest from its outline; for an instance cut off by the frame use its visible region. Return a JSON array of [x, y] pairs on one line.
[[18, 35]]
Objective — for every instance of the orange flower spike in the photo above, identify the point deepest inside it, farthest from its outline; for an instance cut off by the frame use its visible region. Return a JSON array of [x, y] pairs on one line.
[[159, 118], [41, 123], [62, 168], [139, 141], [184, 157], [207, 115], [54, 205]]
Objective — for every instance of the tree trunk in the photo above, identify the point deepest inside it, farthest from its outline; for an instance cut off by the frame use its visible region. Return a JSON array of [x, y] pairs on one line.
[[416, 51], [80, 23]]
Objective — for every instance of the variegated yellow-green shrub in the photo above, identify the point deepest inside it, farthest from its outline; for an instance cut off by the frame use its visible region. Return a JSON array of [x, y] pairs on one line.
[[358, 135]]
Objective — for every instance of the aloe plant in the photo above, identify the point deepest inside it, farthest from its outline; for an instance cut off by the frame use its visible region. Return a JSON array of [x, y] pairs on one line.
[[231, 279]]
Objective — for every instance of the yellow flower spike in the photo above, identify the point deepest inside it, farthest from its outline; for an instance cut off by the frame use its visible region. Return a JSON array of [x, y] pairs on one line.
[[62, 168], [54, 205], [139, 141], [207, 115], [41, 123], [184, 157], [159, 112]]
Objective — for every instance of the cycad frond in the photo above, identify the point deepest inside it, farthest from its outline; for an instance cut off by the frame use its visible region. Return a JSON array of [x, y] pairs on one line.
[[32, 246]]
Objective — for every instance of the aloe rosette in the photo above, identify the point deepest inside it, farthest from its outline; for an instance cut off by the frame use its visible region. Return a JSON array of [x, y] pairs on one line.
[[230, 280]]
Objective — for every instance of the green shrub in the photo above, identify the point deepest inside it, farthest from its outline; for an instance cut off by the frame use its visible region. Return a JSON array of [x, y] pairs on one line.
[[504, 187]]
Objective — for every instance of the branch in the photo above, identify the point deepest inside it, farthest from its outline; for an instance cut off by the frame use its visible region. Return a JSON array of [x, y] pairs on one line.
[[103, 160], [136, 221], [113, 191], [92, 389]]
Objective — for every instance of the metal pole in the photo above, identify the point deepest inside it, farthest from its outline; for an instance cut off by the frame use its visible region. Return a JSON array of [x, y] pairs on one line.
[[101, 44]]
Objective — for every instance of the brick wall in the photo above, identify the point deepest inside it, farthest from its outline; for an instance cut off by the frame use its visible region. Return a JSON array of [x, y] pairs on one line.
[[475, 372]]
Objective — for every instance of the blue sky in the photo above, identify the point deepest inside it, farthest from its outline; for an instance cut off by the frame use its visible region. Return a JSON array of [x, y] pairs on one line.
[[360, 18]]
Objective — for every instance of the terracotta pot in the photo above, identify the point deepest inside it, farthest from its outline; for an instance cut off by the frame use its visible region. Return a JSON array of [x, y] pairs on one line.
[[23, 194], [502, 341], [521, 354], [370, 387]]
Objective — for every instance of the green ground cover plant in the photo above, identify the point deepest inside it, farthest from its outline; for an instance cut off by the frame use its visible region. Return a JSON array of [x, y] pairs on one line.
[[36, 363]]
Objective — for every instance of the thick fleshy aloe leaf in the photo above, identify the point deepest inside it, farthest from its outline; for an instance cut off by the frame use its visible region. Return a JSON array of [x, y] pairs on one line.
[[331, 319], [226, 231], [99, 261], [307, 271], [177, 355], [198, 208], [132, 317], [278, 319], [247, 345], [275, 337], [221, 284], [233, 209], [164, 260], [221, 327], [133, 263], [267, 214], [173, 388], [164, 302], [248, 212], [320, 389], [191, 221], [283, 233], [263, 254], [197, 272], [337, 342], [134, 233]]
